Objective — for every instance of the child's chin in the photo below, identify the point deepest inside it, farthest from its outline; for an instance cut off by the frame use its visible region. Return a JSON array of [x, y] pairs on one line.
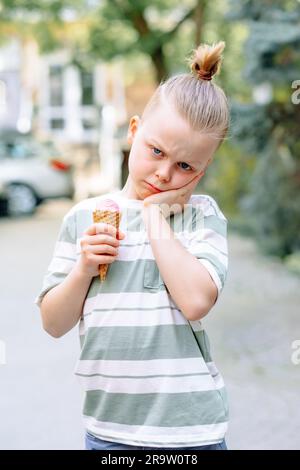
[[143, 192], [141, 195]]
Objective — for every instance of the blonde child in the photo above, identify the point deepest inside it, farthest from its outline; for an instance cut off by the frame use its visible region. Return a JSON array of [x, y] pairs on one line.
[[145, 363]]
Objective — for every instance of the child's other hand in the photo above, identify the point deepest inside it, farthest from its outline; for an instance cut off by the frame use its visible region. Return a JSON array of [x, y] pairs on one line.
[[99, 245], [173, 197]]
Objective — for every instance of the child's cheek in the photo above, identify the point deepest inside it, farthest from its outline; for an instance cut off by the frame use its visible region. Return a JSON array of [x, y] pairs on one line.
[[144, 166], [181, 180]]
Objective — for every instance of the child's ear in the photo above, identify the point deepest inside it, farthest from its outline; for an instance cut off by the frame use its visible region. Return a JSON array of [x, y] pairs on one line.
[[132, 128]]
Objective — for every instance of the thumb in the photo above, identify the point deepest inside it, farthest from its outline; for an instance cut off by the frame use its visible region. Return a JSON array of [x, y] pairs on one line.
[[120, 235]]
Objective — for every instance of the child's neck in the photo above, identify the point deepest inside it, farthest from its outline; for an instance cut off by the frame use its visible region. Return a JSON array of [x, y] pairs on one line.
[[129, 192]]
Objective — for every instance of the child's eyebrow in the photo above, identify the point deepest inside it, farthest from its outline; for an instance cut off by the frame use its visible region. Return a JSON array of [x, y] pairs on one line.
[[160, 147]]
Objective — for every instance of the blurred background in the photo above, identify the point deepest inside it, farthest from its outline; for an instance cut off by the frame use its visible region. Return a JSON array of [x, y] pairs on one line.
[[72, 73]]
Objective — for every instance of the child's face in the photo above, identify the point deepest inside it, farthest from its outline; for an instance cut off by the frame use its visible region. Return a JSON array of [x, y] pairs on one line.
[[165, 152]]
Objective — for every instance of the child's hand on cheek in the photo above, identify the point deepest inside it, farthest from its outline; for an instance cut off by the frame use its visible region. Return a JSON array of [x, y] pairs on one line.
[[173, 201]]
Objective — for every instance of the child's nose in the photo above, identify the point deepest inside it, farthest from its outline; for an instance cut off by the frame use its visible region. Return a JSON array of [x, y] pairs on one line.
[[163, 174], [162, 180]]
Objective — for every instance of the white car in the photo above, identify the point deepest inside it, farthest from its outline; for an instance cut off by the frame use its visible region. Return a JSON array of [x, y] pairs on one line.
[[31, 172]]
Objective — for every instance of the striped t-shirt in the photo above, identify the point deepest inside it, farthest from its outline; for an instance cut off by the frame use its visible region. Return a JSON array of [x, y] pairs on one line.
[[147, 373]]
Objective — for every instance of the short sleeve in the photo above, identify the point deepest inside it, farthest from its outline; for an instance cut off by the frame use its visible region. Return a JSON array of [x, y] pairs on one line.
[[208, 240], [63, 259]]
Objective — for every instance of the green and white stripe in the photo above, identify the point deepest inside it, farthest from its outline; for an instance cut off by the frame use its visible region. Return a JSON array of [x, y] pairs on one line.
[[147, 372], [147, 435]]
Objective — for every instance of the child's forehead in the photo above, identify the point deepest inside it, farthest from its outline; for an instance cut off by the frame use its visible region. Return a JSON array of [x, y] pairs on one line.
[[166, 124], [167, 138], [167, 129], [165, 117]]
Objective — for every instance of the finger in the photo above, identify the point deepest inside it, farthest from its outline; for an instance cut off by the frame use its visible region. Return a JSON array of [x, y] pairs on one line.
[[196, 178], [190, 183], [102, 239], [120, 235], [102, 227], [102, 259], [107, 259], [148, 201], [103, 249]]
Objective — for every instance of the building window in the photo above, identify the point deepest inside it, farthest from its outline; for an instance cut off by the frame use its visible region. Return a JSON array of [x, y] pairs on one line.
[[57, 123], [87, 88], [89, 124], [56, 85]]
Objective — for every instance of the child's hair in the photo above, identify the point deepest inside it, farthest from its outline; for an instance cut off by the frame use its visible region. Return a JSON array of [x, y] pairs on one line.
[[202, 103]]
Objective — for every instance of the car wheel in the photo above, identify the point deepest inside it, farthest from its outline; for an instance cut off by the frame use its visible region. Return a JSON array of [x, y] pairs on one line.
[[21, 200]]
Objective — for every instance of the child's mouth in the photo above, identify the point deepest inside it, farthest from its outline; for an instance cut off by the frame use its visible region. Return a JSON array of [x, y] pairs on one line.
[[154, 188]]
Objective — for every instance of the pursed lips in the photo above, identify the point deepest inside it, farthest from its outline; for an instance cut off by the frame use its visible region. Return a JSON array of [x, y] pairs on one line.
[[154, 187]]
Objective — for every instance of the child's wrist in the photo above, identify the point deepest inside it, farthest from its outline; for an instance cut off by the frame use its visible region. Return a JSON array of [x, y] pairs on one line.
[[158, 208], [80, 273]]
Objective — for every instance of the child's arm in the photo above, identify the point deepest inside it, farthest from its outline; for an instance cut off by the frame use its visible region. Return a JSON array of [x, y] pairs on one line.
[[62, 306], [189, 283]]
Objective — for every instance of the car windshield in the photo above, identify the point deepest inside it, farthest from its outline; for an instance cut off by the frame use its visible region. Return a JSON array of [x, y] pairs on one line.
[[24, 149]]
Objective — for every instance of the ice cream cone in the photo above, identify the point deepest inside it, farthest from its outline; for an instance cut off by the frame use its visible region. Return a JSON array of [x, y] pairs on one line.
[[108, 217]]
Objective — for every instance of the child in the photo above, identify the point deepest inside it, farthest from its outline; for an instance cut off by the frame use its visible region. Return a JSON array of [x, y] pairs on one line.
[[145, 362]]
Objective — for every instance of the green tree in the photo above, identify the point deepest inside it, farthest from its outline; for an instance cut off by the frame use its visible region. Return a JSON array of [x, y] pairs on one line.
[[269, 125], [122, 27], [52, 24], [107, 29]]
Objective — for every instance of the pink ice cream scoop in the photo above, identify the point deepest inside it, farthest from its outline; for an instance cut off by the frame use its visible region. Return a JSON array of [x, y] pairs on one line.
[[107, 205], [107, 211]]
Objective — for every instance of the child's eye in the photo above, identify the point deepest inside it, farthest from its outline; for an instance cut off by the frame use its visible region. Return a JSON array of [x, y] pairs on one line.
[[154, 149], [189, 167], [157, 152]]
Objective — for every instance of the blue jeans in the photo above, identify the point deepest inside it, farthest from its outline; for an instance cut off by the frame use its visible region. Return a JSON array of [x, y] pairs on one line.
[[94, 443]]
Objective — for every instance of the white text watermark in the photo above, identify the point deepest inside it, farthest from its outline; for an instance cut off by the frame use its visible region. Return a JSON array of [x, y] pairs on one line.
[[295, 357], [190, 220], [2, 352], [295, 98]]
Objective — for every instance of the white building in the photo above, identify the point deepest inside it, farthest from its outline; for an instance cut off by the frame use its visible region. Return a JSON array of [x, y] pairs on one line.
[[10, 85], [66, 104]]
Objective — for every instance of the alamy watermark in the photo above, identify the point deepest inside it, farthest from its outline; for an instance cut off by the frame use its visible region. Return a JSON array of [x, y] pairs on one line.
[[188, 219], [2, 352], [295, 357], [295, 98]]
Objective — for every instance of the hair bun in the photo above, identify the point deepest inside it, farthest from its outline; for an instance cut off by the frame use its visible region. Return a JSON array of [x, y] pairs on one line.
[[206, 60]]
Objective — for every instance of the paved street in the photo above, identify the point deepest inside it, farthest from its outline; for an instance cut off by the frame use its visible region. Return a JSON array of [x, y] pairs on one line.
[[40, 404], [251, 329]]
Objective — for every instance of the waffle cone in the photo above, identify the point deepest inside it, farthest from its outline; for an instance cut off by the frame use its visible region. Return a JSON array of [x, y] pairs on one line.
[[108, 217]]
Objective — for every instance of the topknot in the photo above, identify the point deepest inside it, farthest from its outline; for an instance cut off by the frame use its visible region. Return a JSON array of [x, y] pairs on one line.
[[206, 60]]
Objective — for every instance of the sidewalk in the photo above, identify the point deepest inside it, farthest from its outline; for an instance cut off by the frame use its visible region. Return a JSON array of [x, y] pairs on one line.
[[251, 330]]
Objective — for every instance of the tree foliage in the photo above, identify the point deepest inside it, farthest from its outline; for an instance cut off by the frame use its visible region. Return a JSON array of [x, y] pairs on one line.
[[122, 27], [271, 129]]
